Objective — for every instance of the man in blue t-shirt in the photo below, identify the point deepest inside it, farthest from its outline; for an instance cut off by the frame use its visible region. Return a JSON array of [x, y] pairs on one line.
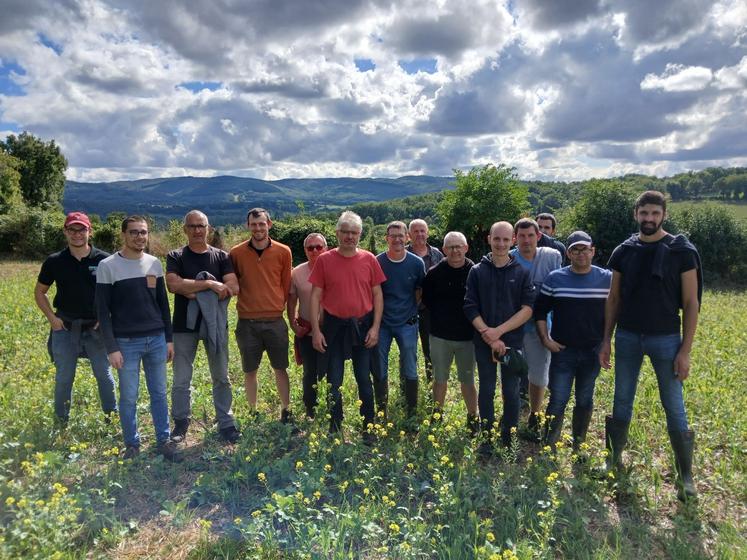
[[404, 273], [575, 295]]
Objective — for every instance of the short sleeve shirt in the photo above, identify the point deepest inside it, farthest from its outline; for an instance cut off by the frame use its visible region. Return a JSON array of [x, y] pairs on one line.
[[402, 279], [347, 282], [187, 264], [75, 280], [650, 304]]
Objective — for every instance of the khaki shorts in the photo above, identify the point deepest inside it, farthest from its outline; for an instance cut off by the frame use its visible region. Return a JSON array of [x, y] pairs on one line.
[[538, 359], [444, 352], [256, 336]]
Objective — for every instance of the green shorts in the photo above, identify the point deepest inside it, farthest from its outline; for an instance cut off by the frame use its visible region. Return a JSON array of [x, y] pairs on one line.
[[444, 352]]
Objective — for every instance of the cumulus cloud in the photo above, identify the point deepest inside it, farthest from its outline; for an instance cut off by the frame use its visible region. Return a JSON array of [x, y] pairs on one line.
[[558, 89], [677, 77]]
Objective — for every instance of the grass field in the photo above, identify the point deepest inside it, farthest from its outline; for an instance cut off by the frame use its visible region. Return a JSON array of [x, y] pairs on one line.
[[739, 209], [66, 494]]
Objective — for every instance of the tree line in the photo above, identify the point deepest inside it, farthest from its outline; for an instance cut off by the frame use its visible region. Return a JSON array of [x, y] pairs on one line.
[[32, 182]]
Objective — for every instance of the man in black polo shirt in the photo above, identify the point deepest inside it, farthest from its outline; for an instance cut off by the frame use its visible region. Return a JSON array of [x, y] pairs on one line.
[[196, 294], [73, 322]]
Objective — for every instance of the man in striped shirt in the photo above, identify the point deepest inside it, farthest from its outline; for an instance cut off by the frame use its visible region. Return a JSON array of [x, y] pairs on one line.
[[575, 295]]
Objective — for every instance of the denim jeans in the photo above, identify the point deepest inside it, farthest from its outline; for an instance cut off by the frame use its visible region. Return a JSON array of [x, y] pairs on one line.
[[487, 371], [407, 342], [336, 332], [151, 351], [630, 348], [572, 364], [185, 350], [66, 361]]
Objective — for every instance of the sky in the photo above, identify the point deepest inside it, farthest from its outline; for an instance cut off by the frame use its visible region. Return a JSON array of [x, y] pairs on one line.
[[559, 89]]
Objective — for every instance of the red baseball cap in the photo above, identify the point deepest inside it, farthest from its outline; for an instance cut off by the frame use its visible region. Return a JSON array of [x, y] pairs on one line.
[[77, 218]]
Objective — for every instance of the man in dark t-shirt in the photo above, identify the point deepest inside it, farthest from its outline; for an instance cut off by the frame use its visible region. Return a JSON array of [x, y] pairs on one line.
[[654, 274], [73, 320], [183, 268], [451, 332]]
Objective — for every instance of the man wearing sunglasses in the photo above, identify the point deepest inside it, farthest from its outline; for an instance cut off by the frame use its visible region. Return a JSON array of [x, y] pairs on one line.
[[202, 279], [300, 300], [133, 311], [74, 329]]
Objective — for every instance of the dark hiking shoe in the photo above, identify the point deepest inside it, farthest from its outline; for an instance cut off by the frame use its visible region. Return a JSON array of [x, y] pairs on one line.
[[229, 435], [179, 433], [131, 451], [170, 451], [532, 430], [287, 418]]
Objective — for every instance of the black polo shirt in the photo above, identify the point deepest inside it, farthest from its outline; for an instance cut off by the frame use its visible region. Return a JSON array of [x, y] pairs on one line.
[[76, 282]]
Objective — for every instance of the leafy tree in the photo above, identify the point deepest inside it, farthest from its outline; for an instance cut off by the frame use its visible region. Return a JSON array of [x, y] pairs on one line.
[[10, 190], [484, 195], [605, 211], [42, 169], [293, 230]]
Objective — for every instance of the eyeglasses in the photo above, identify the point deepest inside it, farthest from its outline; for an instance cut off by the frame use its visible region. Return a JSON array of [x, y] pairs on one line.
[[76, 231], [579, 250], [197, 226], [314, 247], [349, 232], [137, 232]]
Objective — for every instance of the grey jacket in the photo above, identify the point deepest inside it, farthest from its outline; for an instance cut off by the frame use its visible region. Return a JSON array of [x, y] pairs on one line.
[[214, 324]]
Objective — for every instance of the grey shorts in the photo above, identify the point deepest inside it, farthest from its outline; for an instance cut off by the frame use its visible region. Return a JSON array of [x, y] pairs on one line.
[[444, 352], [256, 336], [538, 359]]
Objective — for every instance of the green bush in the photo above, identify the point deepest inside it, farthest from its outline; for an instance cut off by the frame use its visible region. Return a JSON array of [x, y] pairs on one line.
[[293, 231], [720, 238], [31, 232]]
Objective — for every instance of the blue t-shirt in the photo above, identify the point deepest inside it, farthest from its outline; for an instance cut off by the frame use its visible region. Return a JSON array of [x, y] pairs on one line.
[[402, 279]]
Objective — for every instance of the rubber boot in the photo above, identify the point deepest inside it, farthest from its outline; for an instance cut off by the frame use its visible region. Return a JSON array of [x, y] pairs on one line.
[[381, 396], [553, 429], [580, 425], [616, 436], [682, 445]]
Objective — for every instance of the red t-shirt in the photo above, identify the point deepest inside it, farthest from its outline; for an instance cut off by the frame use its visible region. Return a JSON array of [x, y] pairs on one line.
[[347, 282]]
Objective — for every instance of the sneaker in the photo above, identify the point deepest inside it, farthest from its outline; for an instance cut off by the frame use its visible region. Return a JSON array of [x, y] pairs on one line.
[[170, 451], [131, 451], [229, 435], [179, 433]]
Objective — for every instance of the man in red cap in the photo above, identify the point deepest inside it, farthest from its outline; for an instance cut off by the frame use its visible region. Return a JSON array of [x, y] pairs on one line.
[[73, 321]]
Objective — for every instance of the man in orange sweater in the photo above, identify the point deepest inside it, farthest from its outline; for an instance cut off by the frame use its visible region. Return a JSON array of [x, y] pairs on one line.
[[263, 267]]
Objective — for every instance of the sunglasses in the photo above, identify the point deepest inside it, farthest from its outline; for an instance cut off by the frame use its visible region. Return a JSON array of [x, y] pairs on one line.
[[314, 247]]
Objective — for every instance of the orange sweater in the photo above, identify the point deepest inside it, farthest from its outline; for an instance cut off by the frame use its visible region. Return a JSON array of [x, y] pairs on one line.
[[264, 281]]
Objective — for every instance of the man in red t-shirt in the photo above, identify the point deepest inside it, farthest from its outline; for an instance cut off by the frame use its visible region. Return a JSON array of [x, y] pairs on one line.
[[347, 286]]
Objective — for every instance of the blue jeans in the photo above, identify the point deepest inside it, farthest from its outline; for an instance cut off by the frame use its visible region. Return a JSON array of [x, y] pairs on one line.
[[66, 361], [151, 351], [487, 371], [407, 342], [661, 350], [579, 364]]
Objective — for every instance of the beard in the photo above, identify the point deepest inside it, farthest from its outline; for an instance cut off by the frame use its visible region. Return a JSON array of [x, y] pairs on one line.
[[649, 228]]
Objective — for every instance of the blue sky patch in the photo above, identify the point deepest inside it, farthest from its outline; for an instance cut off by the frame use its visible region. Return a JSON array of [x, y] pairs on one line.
[[7, 126], [364, 64], [199, 86], [47, 42], [427, 65], [7, 85]]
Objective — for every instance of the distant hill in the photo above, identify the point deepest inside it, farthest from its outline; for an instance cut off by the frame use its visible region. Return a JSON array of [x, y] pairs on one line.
[[226, 199]]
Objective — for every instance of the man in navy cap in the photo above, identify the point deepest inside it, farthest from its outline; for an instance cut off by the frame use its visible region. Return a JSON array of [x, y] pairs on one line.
[[575, 295], [74, 329]]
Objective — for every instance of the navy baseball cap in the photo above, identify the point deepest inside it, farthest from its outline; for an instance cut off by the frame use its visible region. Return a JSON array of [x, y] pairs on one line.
[[578, 238]]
